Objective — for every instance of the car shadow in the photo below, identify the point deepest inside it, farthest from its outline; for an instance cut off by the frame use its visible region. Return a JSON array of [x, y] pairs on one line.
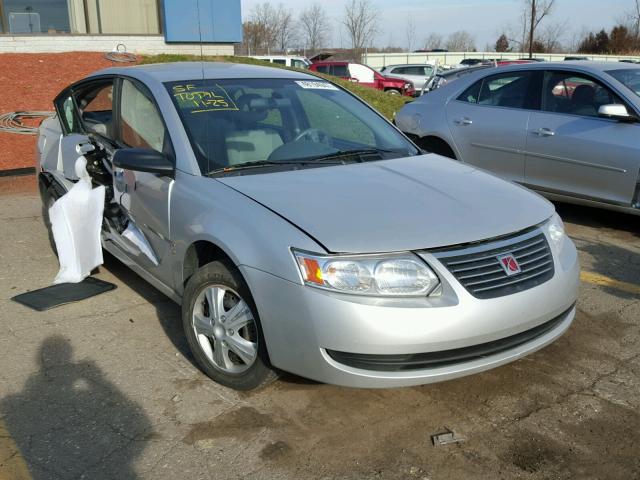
[[170, 317], [167, 311], [611, 260], [599, 218], [69, 421]]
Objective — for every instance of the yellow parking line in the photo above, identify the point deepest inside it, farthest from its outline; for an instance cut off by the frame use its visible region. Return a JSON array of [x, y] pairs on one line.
[[12, 464], [604, 281]]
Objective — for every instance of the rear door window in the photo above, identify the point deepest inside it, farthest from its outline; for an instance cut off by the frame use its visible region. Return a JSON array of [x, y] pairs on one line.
[[510, 90], [95, 108], [340, 71]]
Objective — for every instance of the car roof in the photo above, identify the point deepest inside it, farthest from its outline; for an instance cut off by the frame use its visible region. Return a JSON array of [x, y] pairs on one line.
[[332, 62], [579, 65], [409, 65], [171, 72]]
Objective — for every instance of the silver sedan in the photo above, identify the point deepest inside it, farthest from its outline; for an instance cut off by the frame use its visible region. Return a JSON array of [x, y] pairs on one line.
[[302, 232], [569, 130]]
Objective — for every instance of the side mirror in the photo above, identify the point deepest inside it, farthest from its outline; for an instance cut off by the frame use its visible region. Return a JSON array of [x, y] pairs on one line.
[[143, 160], [616, 112]]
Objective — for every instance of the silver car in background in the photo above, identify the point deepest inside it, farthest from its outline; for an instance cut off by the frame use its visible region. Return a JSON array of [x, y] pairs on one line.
[[300, 231], [570, 131], [419, 74]]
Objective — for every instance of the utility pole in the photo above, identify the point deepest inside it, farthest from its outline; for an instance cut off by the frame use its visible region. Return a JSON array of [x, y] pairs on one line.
[[532, 27]]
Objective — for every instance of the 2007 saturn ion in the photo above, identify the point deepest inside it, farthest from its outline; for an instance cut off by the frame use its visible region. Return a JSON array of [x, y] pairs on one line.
[[301, 231]]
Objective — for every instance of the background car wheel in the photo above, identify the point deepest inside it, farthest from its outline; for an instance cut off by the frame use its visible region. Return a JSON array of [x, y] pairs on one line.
[[437, 146], [49, 198], [223, 330], [393, 91]]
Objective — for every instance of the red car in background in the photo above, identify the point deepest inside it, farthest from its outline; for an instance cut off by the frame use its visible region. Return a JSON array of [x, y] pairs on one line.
[[366, 76]]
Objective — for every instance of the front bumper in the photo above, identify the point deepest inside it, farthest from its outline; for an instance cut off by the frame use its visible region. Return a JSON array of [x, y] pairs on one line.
[[303, 326]]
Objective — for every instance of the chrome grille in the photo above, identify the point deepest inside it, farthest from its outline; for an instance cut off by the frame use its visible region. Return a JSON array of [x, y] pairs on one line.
[[478, 269]]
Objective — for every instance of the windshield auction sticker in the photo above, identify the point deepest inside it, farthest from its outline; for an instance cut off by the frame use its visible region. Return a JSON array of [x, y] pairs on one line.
[[198, 99], [316, 85]]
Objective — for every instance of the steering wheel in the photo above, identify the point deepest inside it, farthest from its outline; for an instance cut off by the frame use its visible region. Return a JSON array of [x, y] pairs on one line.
[[314, 135]]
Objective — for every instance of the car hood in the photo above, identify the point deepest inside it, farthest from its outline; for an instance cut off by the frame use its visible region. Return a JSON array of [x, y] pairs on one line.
[[410, 203]]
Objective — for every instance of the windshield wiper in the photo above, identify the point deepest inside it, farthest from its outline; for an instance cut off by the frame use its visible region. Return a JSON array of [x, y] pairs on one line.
[[258, 164], [358, 154]]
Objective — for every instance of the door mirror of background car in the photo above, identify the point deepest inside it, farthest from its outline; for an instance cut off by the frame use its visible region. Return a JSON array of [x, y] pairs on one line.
[[616, 112], [143, 160]]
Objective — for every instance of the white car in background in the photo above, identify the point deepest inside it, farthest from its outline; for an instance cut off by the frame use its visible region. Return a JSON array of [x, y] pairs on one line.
[[285, 60], [418, 74]]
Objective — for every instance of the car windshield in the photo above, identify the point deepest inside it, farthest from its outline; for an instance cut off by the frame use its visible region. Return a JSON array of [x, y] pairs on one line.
[[249, 123], [629, 77]]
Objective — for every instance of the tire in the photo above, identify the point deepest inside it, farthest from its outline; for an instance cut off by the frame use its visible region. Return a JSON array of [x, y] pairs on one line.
[[437, 146], [49, 198], [393, 91], [216, 334]]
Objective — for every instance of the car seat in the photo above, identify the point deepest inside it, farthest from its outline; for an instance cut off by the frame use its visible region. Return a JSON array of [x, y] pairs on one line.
[[251, 141], [582, 101]]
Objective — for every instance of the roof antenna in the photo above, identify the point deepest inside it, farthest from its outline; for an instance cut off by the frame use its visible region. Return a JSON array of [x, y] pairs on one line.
[[200, 36]]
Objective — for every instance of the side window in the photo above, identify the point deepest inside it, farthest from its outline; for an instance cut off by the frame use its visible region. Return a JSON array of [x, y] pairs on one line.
[[335, 120], [140, 121], [428, 71], [340, 71], [399, 71], [95, 106], [279, 61], [298, 64], [470, 95], [68, 117], [414, 71], [505, 90], [574, 94], [323, 69]]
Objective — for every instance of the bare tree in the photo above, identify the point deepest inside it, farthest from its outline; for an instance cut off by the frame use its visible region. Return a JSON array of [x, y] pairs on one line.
[[411, 32], [433, 41], [536, 10], [460, 41], [551, 37], [285, 28], [361, 21], [314, 26], [263, 23], [634, 18]]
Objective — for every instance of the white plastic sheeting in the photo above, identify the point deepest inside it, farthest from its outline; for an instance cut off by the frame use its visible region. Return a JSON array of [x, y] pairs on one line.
[[76, 221]]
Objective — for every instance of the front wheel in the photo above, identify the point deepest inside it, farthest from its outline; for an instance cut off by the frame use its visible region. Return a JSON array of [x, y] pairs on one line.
[[48, 199], [393, 91], [223, 330]]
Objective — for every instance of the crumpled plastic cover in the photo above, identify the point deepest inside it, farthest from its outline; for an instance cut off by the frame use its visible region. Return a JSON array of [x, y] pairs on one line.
[[76, 221]]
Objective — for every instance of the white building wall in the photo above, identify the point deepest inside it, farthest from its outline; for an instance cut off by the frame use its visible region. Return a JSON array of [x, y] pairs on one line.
[[142, 44]]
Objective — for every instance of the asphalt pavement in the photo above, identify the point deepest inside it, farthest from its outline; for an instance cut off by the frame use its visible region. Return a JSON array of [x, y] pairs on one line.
[[106, 388]]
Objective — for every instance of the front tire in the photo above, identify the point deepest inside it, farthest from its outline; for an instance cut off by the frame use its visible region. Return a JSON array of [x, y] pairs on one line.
[[49, 198], [393, 91], [223, 329]]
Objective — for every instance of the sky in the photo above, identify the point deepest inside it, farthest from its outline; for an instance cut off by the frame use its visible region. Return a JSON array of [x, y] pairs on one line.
[[484, 19]]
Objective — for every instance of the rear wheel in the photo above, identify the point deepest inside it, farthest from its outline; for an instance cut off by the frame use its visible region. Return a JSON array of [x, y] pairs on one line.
[[437, 146], [223, 330]]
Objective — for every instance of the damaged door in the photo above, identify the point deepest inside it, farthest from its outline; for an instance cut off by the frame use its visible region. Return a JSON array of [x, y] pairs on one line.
[[144, 197]]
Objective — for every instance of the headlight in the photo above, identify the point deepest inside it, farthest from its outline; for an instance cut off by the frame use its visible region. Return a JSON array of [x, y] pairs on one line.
[[395, 275], [556, 230], [408, 86]]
